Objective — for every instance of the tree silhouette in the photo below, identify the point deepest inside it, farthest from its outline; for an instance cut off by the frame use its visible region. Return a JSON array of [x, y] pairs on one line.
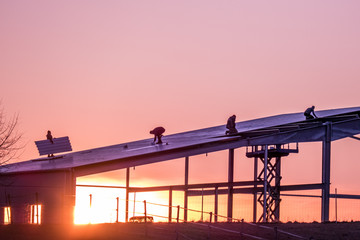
[[9, 137]]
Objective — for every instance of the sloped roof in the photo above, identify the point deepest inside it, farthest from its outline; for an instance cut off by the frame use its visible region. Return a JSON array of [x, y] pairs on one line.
[[269, 130]]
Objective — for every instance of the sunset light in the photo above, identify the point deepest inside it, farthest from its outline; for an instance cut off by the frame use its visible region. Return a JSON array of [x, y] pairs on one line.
[[35, 214], [7, 215], [206, 118]]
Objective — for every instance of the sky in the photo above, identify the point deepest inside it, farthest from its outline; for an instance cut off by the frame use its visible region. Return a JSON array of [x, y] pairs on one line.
[[107, 72]]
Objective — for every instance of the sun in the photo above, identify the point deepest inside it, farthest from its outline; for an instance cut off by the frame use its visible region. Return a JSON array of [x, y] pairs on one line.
[[107, 205]]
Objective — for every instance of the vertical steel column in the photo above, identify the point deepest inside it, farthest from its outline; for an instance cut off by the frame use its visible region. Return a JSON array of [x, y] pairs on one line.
[[230, 182], [277, 185], [170, 204], [127, 194], [326, 153], [186, 188], [255, 185], [265, 184], [216, 204]]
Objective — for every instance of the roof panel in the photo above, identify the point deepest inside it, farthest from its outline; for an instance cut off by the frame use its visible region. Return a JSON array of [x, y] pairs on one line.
[[171, 142]]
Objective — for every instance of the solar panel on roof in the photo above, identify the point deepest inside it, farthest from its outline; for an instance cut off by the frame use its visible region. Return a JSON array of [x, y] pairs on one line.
[[59, 145]]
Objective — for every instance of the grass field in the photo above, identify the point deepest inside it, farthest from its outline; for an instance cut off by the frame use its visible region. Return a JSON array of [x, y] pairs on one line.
[[169, 231]]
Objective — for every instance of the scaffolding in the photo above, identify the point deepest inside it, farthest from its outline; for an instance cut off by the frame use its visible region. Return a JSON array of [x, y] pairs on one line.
[[270, 175]]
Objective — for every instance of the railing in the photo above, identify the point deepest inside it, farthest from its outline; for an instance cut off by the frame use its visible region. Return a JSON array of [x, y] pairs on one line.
[[209, 224]]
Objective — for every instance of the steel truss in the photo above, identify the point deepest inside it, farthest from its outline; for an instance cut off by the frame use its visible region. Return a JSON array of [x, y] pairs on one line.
[[270, 175]]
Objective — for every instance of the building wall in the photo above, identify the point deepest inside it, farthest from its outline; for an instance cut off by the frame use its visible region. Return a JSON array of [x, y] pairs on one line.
[[54, 191]]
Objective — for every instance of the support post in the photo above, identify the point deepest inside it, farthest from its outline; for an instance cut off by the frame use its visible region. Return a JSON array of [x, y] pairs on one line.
[[90, 196], [117, 209], [134, 204], [277, 185], [202, 205], [127, 194], [145, 212], [230, 182], [336, 205], [186, 188], [255, 185], [265, 184], [178, 214], [216, 204], [170, 204], [326, 154]]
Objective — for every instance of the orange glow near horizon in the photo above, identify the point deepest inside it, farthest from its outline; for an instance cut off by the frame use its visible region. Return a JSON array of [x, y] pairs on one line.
[[301, 209], [103, 208], [7, 215]]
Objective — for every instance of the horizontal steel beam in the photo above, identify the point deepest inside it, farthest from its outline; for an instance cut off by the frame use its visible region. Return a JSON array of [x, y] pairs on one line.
[[300, 187], [99, 186], [224, 191], [345, 196], [194, 186]]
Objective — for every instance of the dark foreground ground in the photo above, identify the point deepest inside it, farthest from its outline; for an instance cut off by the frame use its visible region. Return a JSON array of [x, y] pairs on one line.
[[188, 231]]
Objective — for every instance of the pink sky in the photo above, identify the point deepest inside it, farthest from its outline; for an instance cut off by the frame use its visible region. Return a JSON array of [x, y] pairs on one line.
[[107, 72]]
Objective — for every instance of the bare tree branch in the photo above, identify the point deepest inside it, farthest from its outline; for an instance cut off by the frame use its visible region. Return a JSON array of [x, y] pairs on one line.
[[9, 138]]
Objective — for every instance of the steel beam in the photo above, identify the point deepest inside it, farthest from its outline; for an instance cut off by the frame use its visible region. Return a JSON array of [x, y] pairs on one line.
[[186, 188], [255, 185], [216, 203], [265, 184], [230, 181], [127, 194], [170, 205], [277, 186], [326, 154], [251, 190]]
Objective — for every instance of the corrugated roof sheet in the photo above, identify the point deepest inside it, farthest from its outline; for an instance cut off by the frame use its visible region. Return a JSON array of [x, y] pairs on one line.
[[175, 141]]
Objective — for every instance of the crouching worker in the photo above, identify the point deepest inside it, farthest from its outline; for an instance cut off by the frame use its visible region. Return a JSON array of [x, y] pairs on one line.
[[231, 125], [158, 131], [310, 111]]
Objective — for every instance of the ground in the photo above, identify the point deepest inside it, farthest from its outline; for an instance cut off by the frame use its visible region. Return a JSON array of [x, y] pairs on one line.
[[189, 231]]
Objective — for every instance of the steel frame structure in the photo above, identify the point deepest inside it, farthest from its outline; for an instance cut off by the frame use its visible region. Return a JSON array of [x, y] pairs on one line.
[[41, 175], [270, 175]]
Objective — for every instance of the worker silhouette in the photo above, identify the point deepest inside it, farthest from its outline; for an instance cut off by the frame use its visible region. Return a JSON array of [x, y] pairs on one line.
[[310, 111], [158, 131], [49, 137], [231, 125]]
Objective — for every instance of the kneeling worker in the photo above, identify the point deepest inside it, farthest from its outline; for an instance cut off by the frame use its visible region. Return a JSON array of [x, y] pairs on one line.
[[231, 125]]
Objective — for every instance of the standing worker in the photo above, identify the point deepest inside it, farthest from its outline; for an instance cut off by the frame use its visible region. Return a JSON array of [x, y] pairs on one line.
[[158, 131], [49, 137], [308, 113], [231, 125]]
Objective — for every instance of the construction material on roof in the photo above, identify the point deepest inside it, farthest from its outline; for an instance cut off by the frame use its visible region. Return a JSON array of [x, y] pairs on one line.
[[58, 145], [279, 129]]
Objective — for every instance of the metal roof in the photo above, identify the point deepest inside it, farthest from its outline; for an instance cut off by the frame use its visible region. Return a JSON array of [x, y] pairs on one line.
[[277, 129]]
